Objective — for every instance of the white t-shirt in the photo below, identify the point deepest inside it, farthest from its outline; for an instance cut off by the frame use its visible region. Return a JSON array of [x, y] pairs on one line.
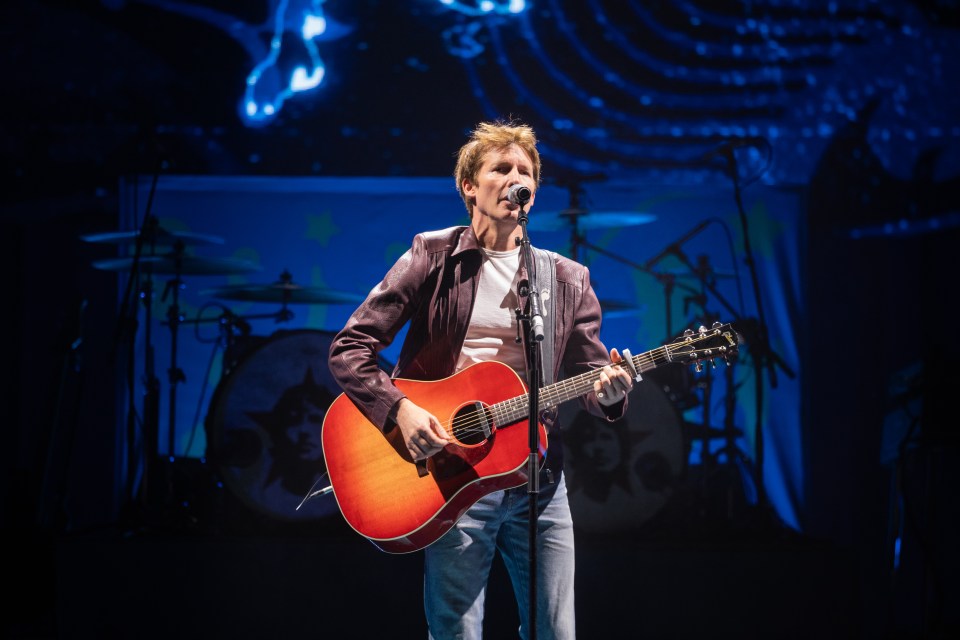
[[492, 334]]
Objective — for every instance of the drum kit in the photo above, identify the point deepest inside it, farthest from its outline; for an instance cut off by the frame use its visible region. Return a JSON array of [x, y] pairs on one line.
[[620, 478], [241, 436]]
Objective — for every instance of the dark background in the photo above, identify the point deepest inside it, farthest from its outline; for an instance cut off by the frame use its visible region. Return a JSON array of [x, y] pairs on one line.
[[850, 105]]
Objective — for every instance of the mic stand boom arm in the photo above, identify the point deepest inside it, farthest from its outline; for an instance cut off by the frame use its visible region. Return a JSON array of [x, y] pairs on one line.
[[668, 280]]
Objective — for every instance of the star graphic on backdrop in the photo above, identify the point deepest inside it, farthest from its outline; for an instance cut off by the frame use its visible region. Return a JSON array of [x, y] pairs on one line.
[[321, 228]]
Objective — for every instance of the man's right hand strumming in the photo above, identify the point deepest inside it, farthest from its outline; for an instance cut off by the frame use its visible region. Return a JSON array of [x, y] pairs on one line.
[[422, 433]]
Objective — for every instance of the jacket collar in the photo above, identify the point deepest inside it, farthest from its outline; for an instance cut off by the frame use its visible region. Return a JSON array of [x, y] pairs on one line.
[[467, 242]]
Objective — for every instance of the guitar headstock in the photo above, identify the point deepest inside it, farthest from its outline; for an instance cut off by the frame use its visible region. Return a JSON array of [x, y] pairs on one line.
[[695, 347]]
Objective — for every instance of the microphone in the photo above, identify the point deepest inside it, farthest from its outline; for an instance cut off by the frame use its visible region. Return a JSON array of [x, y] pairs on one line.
[[519, 194]]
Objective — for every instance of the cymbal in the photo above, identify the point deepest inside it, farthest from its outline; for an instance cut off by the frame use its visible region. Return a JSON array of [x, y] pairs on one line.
[[620, 308], [283, 292], [608, 304], [699, 431], [184, 265], [158, 237], [692, 275], [586, 220]]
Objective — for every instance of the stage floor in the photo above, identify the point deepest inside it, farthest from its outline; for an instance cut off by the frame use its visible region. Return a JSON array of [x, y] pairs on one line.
[[150, 583]]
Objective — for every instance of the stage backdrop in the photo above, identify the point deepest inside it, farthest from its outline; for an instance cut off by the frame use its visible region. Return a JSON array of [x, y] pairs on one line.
[[341, 234]]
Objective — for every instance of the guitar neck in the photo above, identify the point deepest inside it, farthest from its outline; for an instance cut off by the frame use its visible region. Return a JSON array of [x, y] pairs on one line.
[[514, 409], [692, 348]]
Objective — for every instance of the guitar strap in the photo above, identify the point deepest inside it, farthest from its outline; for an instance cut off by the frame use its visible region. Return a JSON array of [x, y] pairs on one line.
[[546, 276], [546, 273]]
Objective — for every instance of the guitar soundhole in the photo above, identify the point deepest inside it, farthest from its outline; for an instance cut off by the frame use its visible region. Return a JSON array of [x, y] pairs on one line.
[[472, 424]]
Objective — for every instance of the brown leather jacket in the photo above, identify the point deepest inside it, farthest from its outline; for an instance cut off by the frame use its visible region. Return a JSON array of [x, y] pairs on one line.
[[433, 287]]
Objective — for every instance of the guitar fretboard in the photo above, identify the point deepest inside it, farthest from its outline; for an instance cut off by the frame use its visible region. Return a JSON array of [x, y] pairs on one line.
[[718, 343], [553, 395]]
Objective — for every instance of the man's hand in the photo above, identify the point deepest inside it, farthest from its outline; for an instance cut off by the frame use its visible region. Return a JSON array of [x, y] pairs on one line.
[[614, 383], [422, 433]]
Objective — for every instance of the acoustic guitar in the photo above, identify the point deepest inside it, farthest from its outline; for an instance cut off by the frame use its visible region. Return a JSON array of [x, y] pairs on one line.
[[402, 506]]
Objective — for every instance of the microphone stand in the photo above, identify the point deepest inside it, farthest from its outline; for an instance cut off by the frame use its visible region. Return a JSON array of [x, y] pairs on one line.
[[532, 325], [763, 356]]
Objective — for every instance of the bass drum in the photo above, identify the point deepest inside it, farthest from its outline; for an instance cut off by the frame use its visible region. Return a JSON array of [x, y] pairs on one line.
[[621, 474], [265, 420]]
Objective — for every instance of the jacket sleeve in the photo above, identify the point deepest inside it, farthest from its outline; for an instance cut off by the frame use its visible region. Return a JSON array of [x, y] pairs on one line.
[[353, 357], [583, 349]]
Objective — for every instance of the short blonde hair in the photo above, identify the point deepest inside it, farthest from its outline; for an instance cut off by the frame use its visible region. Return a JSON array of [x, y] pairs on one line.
[[492, 136]]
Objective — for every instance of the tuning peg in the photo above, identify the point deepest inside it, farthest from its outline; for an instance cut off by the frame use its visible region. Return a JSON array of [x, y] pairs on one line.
[[702, 329], [687, 333]]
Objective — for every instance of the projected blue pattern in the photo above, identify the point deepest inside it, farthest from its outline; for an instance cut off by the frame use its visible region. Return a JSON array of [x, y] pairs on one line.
[[617, 87], [658, 87], [486, 7], [291, 63], [295, 24]]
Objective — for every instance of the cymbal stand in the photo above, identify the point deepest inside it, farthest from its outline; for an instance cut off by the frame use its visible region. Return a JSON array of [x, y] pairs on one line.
[[760, 351], [705, 385], [175, 375], [573, 212], [151, 397], [147, 234], [720, 474], [710, 460], [735, 456]]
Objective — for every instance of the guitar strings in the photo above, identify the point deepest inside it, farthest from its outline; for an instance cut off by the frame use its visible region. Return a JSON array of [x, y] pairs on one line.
[[509, 411]]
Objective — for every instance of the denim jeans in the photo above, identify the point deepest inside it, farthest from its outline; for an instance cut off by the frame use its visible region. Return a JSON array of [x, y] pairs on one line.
[[456, 566]]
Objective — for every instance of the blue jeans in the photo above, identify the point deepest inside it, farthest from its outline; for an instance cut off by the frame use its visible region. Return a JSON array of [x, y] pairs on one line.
[[456, 566]]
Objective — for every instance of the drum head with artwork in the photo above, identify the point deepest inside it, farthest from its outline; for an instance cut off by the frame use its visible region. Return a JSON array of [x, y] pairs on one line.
[[264, 426], [620, 474]]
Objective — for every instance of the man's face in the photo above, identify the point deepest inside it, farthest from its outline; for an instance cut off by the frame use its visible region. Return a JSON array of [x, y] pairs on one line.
[[501, 169], [603, 451], [303, 432]]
